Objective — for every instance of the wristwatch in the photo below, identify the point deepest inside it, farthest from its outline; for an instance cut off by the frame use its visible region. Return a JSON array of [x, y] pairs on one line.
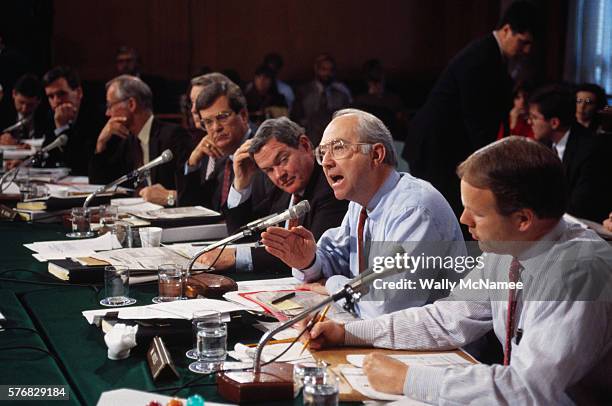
[[170, 199]]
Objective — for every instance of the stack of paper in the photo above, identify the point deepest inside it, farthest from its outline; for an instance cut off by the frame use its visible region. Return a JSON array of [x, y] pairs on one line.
[[359, 381], [437, 359], [179, 309], [144, 258], [134, 205], [46, 250]]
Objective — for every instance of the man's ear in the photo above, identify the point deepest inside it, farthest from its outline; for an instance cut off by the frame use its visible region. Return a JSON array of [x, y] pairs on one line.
[[304, 142], [244, 115], [378, 153], [555, 123], [524, 219]]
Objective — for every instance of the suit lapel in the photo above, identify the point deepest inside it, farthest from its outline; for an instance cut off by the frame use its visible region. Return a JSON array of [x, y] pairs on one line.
[[154, 147]]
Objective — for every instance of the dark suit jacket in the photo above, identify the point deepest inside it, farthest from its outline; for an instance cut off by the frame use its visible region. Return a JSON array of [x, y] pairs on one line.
[[325, 212], [588, 169], [82, 136], [462, 113], [117, 159], [194, 189]]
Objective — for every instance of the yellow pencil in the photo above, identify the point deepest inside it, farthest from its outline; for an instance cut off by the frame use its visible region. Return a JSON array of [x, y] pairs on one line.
[[321, 318]]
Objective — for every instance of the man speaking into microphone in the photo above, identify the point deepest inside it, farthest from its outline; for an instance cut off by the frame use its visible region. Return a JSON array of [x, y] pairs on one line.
[[358, 158], [133, 137], [275, 170]]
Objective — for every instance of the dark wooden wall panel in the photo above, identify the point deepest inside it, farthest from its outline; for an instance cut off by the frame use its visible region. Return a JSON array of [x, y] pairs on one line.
[[175, 38]]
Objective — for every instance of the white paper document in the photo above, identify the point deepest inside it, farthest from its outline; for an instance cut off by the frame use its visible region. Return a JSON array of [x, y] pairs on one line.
[[441, 359], [177, 213], [268, 284], [359, 381], [144, 258], [245, 354], [179, 309], [136, 397], [134, 205], [46, 250], [189, 249]]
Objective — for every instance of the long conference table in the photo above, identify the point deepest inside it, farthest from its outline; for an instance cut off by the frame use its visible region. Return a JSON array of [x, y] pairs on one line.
[[47, 341]]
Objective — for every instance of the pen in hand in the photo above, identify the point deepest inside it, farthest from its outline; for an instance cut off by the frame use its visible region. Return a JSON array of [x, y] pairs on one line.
[[311, 324]]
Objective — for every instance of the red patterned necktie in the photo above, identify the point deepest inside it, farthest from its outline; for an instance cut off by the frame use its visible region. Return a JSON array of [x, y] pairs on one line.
[[294, 222], [363, 215], [513, 276], [226, 181]]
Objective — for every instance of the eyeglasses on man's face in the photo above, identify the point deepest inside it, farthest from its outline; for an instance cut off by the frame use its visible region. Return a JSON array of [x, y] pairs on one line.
[[220, 118], [588, 101], [340, 149], [109, 105]]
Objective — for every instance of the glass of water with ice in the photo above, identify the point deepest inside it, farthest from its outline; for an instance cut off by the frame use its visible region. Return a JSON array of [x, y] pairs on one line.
[[211, 344], [321, 390]]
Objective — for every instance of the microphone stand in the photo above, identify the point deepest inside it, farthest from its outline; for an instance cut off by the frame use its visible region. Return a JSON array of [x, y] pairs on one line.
[[131, 175], [274, 381], [227, 240], [15, 171]]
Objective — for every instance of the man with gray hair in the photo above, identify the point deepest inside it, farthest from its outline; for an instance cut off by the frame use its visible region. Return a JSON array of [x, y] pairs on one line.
[[386, 206], [284, 154], [132, 137]]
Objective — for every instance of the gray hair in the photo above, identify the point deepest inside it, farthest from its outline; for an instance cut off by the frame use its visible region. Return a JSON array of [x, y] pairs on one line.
[[282, 129], [207, 79], [217, 85], [131, 86], [371, 129]]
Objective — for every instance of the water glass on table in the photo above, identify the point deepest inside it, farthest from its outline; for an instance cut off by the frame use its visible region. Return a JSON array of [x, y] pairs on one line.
[[170, 283], [196, 317], [117, 286], [307, 371], [108, 216], [211, 344], [80, 222], [321, 390]]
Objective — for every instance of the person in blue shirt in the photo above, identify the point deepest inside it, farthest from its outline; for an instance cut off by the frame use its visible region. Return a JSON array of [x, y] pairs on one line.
[[395, 210]]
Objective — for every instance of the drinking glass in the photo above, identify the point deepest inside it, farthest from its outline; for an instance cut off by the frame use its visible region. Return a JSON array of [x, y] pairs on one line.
[[170, 283], [211, 344], [117, 286], [80, 223]]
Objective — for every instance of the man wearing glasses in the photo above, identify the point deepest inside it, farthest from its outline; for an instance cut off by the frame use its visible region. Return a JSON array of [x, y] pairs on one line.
[[359, 159], [133, 137], [223, 114], [585, 156]]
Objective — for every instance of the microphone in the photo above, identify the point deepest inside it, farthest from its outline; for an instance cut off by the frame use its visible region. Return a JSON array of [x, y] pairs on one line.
[[165, 156], [58, 142], [291, 213], [257, 222], [17, 125]]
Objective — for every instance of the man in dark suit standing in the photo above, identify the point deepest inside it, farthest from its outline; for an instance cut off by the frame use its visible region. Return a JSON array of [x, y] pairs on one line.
[[133, 137], [73, 116], [469, 101], [284, 154], [585, 156]]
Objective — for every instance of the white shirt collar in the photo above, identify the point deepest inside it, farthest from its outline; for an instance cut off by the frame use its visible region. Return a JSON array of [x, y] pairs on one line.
[[143, 136], [560, 146], [499, 45]]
